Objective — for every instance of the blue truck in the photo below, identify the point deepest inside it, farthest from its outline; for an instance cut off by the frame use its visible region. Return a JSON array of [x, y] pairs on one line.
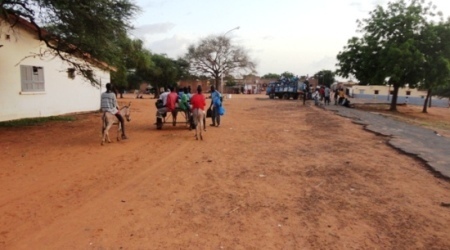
[[285, 88]]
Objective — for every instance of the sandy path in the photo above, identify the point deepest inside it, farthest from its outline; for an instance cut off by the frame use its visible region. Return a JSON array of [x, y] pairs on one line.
[[275, 175]]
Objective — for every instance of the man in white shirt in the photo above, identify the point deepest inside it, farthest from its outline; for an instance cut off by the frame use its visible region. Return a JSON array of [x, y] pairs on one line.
[[163, 96]]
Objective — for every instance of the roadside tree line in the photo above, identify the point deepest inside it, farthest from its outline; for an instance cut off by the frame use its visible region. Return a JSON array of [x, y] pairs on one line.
[[405, 43], [99, 29]]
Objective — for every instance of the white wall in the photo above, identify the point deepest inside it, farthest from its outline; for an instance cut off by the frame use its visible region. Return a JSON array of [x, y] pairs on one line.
[[62, 95], [384, 90]]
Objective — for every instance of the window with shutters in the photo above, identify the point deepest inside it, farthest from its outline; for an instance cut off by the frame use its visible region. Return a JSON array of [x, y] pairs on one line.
[[32, 78]]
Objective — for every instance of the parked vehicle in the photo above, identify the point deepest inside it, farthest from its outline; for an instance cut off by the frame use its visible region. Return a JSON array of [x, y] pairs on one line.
[[285, 88]]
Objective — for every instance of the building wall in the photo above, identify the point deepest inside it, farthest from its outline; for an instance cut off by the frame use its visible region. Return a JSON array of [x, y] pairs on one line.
[[384, 90], [62, 94], [405, 95]]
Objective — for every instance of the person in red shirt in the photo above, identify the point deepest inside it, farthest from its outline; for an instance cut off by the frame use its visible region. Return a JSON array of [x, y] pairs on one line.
[[322, 92], [172, 99], [171, 105], [198, 103]]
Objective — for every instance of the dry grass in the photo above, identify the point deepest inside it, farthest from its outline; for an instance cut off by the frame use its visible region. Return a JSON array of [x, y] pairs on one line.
[[437, 119]]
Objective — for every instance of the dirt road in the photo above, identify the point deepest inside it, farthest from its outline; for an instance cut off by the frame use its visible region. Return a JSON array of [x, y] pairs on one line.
[[275, 175]]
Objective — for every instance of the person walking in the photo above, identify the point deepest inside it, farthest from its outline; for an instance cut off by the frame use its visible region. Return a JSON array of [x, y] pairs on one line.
[[305, 91], [341, 96], [322, 93], [336, 96], [327, 93], [108, 103], [216, 103], [198, 101], [316, 96]]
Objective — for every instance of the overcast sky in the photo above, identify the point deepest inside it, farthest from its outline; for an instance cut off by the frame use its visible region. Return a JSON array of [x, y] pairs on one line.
[[299, 36]]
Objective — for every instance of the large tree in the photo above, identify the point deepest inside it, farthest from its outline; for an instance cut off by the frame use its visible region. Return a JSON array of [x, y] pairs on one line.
[[390, 46], [139, 65], [442, 90], [325, 77], [182, 67], [287, 74], [72, 30], [134, 56], [436, 68], [217, 56], [165, 72]]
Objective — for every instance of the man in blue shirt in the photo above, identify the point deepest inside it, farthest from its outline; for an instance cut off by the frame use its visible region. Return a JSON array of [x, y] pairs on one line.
[[216, 102]]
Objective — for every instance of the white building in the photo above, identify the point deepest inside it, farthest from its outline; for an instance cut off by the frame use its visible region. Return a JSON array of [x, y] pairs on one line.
[[31, 86]]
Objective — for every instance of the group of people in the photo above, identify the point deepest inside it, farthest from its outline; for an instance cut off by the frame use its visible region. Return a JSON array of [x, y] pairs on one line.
[[323, 93], [340, 99], [171, 101]]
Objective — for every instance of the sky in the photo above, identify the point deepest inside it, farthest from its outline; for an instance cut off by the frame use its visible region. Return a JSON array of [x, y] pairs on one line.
[[297, 36]]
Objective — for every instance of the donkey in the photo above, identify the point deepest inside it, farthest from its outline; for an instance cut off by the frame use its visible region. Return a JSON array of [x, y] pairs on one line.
[[110, 119], [199, 117]]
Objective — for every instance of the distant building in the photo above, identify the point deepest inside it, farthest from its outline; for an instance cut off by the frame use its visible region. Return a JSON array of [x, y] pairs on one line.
[[249, 85], [206, 85], [383, 93]]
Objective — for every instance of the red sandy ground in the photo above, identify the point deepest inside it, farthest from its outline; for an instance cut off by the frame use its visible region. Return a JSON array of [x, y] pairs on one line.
[[275, 175]]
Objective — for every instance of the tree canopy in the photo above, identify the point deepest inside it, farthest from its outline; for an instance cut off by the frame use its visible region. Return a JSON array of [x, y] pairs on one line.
[[134, 57], [287, 74], [216, 56], [442, 91], [271, 76], [86, 29], [395, 47], [436, 66], [165, 71], [325, 77]]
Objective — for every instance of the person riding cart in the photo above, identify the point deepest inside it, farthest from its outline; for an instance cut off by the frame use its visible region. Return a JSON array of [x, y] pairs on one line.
[[170, 106]]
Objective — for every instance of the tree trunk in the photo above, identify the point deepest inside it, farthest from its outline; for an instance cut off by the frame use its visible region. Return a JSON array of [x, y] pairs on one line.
[[394, 97], [425, 103], [217, 82], [429, 101], [157, 92]]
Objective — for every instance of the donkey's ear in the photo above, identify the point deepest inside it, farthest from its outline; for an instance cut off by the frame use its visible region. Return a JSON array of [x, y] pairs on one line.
[[129, 104]]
